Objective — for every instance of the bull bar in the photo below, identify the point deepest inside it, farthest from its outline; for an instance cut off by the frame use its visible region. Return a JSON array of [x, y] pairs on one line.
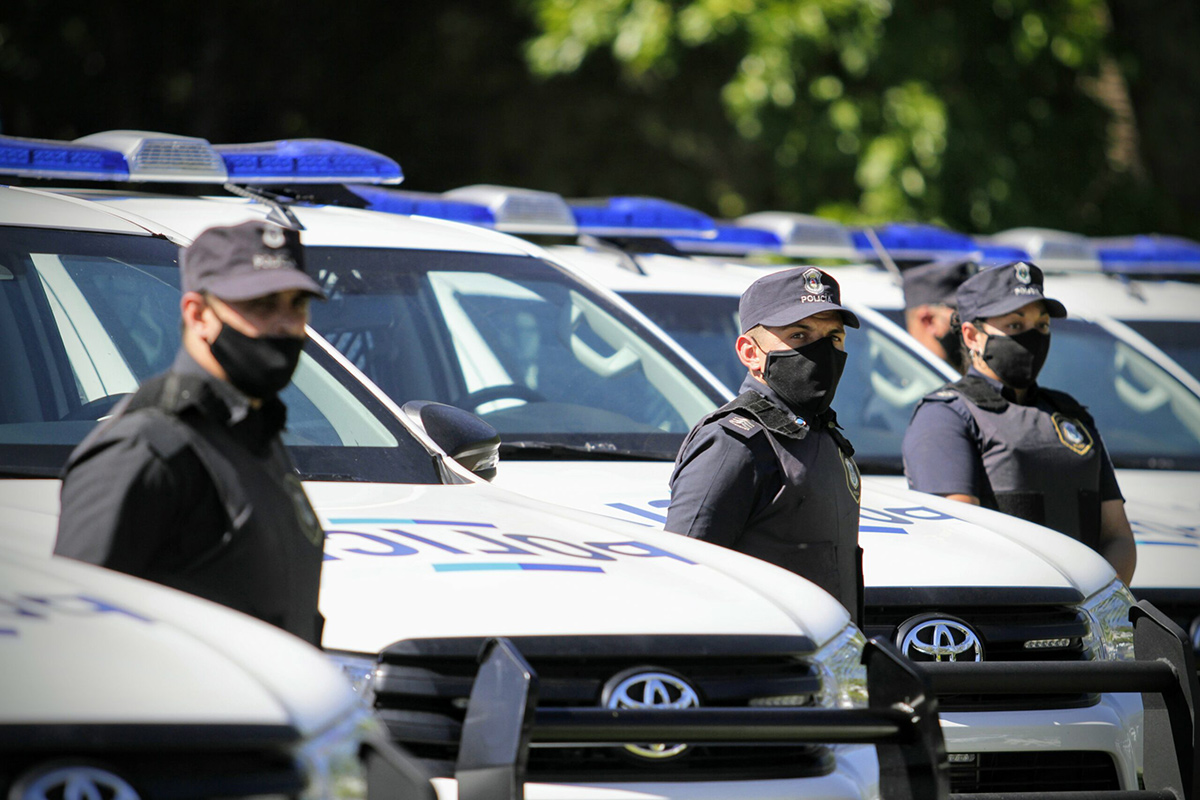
[[503, 719]]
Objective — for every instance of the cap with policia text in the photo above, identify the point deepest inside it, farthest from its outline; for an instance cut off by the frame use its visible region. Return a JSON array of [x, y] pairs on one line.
[[241, 262], [791, 295], [1000, 290], [935, 283]]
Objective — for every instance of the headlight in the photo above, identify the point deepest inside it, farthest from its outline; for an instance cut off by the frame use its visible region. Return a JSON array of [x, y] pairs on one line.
[[359, 669], [843, 676], [1110, 633], [332, 761]]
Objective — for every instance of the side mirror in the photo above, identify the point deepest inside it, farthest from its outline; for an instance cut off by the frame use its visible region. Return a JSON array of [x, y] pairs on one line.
[[465, 437]]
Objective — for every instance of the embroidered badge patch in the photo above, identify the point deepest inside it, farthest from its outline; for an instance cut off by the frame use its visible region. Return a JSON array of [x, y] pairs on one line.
[[1073, 434], [812, 281], [853, 478], [1022, 270]]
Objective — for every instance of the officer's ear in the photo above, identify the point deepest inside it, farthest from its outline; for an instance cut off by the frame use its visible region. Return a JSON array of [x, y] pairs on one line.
[[191, 313], [972, 337], [749, 352]]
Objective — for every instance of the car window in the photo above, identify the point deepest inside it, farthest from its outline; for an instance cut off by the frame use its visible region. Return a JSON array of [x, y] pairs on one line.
[[881, 384], [512, 339], [1147, 417], [1180, 339], [85, 317]]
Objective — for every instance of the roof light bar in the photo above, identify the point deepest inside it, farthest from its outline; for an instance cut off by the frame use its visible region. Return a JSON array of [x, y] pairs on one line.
[[915, 241], [646, 217], [1052, 250], [43, 158], [805, 235], [307, 161], [519, 210], [425, 204], [163, 157], [731, 240], [1148, 254]]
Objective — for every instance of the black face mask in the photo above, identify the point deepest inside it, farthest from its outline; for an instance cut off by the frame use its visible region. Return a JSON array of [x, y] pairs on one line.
[[952, 344], [258, 366], [806, 378], [1017, 360]]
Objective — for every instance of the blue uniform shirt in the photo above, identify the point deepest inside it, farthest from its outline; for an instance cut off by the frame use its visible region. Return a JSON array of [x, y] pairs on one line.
[[942, 455]]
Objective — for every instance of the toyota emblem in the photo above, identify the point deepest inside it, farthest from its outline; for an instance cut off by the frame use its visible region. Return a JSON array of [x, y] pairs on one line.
[[930, 638], [74, 781], [643, 690]]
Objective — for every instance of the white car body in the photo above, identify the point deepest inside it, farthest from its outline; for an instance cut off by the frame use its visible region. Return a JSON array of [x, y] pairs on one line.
[[936, 552], [87, 651], [448, 558]]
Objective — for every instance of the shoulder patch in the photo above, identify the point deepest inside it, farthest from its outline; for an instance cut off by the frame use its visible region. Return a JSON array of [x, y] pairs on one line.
[[740, 425]]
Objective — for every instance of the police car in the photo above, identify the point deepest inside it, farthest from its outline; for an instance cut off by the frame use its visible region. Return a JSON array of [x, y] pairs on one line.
[[512, 327], [425, 562], [1146, 282], [116, 688], [544, 350]]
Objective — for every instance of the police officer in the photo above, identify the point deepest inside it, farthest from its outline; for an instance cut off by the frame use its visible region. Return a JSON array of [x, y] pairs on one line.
[[769, 474], [929, 304], [998, 439], [188, 484]]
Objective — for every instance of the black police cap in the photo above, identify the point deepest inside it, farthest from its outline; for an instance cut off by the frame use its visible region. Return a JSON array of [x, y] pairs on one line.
[[937, 282], [241, 262], [791, 295], [999, 290]]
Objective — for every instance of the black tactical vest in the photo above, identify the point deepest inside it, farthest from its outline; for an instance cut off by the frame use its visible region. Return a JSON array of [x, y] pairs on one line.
[[811, 526], [1041, 461], [267, 562]]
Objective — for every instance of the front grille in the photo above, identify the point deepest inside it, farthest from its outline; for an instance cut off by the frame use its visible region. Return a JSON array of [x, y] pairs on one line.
[[172, 775], [1003, 631], [422, 687], [1048, 771]]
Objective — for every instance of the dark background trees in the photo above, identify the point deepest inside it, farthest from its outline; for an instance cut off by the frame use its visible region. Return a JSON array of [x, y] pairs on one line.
[[1075, 114]]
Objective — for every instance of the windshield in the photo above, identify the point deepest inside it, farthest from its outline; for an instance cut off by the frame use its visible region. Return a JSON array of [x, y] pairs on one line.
[[1180, 339], [545, 361], [85, 317], [881, 385]]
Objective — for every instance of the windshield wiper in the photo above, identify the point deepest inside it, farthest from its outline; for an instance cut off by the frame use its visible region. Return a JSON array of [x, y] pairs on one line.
[[532, 449], [10, 471]]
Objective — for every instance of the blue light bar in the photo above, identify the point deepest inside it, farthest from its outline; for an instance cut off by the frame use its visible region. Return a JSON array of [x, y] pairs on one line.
[[908, 241], [307, 161], [805, 235], [43, 158], [425, 204], [1052, 250], [521, 211], [1149, 254], [731, 240], [640, 217]]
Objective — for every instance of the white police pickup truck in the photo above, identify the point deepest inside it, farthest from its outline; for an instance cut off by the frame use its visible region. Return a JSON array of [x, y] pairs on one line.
[[424, 561], [446, 312], [114, 688]]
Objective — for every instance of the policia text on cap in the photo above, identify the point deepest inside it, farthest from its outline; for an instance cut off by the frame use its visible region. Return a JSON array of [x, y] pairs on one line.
[[997, 438], [188, 483], [769, 474]]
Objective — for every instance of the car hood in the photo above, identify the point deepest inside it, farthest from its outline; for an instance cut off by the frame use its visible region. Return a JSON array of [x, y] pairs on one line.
[[411, 561], [84, 645], [909, 538], [1166, 527]]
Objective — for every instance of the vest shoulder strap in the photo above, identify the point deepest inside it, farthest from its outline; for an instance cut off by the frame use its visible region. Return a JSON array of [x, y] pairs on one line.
[[979, 392], [767, 414], [1069, 406], [168, 410]]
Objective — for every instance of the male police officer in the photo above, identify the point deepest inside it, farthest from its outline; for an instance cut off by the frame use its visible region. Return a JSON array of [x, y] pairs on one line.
[[189, 484], [769, 474], [929, 304]]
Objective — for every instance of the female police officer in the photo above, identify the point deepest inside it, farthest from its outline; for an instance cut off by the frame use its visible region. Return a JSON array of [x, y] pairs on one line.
[[998, 439]]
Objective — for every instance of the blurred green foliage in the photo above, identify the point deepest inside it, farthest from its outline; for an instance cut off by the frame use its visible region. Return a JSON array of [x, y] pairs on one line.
[[1075, 114]]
